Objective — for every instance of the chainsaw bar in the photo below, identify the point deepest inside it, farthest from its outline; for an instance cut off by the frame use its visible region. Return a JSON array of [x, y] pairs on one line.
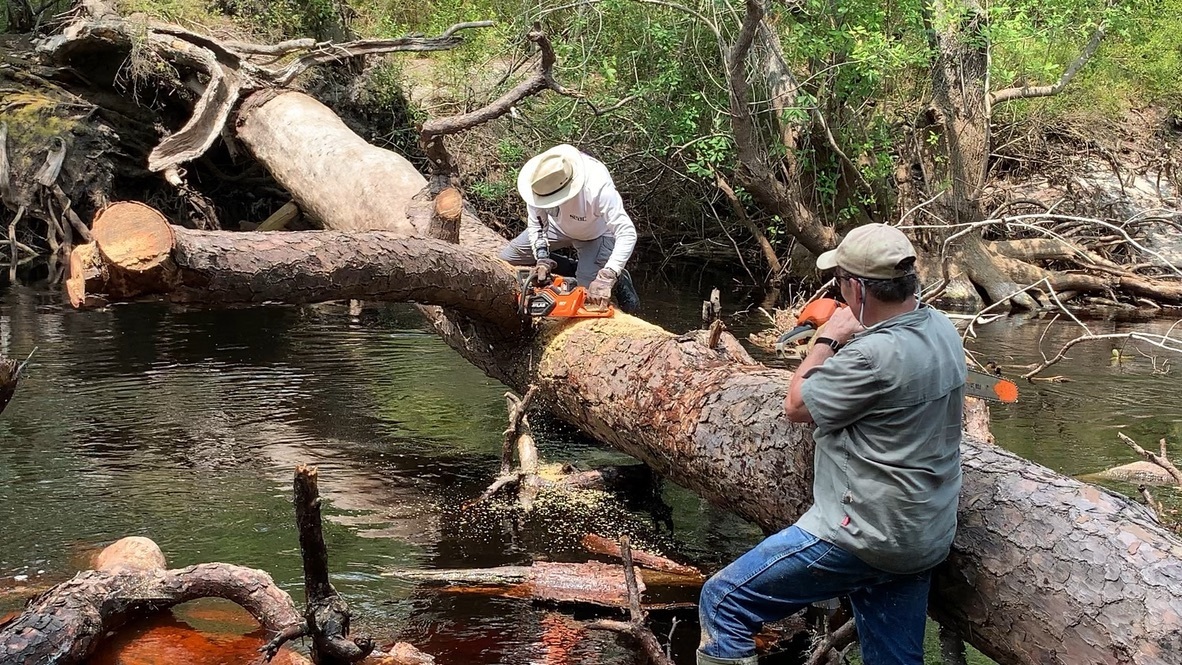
[[994, 388]]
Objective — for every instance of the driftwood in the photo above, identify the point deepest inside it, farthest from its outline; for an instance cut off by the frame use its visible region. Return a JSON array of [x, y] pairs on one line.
[[590, 583], [601, 545], [65, 624], [10, 376]]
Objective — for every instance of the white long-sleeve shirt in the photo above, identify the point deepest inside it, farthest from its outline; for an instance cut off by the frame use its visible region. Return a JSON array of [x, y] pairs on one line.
[[595, 211]]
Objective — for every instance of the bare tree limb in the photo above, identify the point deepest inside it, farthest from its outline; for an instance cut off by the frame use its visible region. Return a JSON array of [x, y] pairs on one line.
[[1153, 504], [1160, 341], [835, 641], [1027, 92], [1160, 460], [765, 246], [329, 52]]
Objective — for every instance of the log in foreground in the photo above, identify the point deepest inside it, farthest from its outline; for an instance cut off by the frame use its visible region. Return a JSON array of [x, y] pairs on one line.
[[66, 623], [589, 583], [1045, 569]]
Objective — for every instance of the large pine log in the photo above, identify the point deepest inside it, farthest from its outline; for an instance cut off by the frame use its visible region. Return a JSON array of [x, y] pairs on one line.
[[1045, 569]]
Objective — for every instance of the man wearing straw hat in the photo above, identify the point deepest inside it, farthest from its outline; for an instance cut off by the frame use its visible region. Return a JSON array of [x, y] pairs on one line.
[[571, 201]]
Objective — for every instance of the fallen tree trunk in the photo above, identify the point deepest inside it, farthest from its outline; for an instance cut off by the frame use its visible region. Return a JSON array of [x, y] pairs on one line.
[[1045, 569]]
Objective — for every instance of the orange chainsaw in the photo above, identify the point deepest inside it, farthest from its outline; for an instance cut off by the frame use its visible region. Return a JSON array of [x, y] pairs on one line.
[[815, 314], [560, 297]]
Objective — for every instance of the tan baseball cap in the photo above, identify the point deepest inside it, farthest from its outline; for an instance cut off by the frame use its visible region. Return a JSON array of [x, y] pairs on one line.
[[874, 251], [553, 177]]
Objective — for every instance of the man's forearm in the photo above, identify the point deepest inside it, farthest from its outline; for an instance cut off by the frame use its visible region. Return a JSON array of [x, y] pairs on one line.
[[794, 406]]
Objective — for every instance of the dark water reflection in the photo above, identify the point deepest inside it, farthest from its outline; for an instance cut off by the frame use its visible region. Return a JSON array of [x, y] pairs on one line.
[[184, 426]]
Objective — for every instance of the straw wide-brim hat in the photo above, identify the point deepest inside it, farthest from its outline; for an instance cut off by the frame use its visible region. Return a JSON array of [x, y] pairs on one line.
[[553, 177]]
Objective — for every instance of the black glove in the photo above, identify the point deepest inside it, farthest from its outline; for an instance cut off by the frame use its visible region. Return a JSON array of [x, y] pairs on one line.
[[543, 269], [600, 290]]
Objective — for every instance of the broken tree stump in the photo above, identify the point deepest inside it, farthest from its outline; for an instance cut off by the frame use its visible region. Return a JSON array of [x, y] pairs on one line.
[[327, 614]]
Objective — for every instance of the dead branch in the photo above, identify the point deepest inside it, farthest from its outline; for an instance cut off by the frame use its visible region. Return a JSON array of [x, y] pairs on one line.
[[1153, 504], [635, 626], [329, 52], [1161, 460], [740, 212], [517, 420], [230, 74], [1160, 341], [601, 545], [432, 132], [834, 643], [63, 625], [1027, 92], [588, 583]]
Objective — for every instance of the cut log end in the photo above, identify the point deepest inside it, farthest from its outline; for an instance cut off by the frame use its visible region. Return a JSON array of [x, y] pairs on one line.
[[446, 215], [133, 236], [133, 553], [84, 276]]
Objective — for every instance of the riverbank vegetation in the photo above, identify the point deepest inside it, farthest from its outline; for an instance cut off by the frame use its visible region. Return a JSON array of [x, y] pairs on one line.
[[831, 115]]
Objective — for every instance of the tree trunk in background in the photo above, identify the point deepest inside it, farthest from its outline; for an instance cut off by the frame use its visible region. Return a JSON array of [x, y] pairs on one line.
[[1045, 569], [954, 142], [303, 144]]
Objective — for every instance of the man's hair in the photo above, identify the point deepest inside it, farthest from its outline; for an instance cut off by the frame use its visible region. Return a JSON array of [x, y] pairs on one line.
[[892, 290]]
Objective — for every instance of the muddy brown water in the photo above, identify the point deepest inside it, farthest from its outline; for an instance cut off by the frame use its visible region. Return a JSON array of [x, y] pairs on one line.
[[184, 425]]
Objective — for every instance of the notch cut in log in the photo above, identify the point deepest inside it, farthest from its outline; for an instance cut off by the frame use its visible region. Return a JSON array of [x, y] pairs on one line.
[[446, 215]]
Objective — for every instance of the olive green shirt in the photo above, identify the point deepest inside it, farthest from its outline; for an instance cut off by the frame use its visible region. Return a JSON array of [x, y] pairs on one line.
[[887, 463]]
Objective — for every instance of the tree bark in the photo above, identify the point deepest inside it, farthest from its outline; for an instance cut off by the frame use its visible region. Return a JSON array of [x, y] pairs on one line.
[[1045, 569], [66, 623]]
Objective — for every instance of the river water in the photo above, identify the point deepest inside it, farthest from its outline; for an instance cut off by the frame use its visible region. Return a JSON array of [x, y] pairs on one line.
[[184, 425]]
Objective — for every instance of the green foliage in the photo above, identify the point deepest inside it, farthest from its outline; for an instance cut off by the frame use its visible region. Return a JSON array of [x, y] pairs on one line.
[[654, 103]]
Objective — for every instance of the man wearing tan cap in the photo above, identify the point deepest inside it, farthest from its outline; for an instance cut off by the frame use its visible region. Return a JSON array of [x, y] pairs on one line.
[[571, 201], [884, 384]]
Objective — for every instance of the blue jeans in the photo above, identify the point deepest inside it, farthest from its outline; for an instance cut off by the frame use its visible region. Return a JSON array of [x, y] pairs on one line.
[[793, 568], [593, 254]]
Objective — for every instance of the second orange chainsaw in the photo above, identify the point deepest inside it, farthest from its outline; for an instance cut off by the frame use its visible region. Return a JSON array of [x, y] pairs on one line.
[[817, 312]]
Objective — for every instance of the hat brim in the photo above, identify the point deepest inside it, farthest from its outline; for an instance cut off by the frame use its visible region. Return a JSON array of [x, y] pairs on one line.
[[568, 192], [827, 260]]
